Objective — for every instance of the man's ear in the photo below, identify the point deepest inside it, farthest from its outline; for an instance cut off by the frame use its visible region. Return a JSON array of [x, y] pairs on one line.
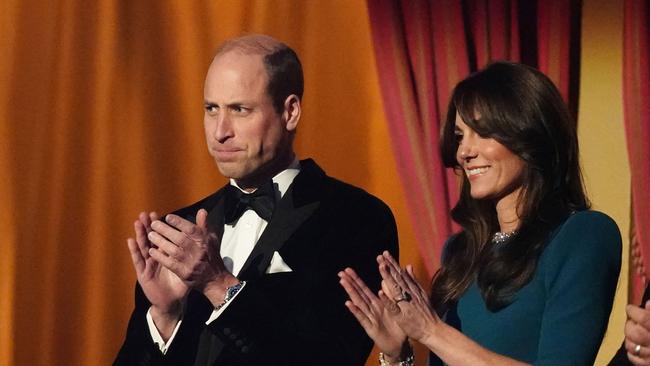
[[292, 110]]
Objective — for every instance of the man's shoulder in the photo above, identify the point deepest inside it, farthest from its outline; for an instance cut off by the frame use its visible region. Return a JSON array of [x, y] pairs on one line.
[[338, 193], [346, 190]]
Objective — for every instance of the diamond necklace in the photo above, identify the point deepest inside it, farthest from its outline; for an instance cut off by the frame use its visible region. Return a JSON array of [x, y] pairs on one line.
[[500, 237]]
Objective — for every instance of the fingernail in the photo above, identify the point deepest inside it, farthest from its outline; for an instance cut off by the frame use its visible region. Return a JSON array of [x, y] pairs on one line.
[[170, 219]]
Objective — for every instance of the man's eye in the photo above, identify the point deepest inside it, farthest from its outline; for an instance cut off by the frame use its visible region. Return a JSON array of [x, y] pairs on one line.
[[211, 108]]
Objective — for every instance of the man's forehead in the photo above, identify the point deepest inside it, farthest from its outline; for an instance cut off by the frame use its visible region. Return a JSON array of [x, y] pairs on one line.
[[236, 75], [237, 61], [239, 55]]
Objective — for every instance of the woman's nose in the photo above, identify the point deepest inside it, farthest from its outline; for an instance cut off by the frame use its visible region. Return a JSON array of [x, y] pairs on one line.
[[466, 150]]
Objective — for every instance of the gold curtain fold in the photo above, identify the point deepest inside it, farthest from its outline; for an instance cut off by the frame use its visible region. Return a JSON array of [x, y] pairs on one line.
[[7, 243], [101, 117]]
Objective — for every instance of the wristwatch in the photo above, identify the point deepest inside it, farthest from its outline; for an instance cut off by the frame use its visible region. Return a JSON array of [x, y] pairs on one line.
[[230, 293]]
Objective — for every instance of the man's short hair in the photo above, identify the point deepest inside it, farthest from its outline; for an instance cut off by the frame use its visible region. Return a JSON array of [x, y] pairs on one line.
[[281, 62]]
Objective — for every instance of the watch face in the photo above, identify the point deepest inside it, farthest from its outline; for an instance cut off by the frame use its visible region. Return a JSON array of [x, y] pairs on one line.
[[232, 290]]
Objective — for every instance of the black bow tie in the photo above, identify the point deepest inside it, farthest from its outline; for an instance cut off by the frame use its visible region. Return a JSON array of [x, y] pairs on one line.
[[262, 201]]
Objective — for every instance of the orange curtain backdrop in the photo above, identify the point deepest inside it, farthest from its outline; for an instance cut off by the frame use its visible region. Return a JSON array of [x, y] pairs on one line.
[[636, 110], [423, 48], [101, 117], [7, 247]]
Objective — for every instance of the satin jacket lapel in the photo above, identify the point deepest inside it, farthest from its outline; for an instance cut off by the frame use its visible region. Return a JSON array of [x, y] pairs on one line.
[[296, 206]]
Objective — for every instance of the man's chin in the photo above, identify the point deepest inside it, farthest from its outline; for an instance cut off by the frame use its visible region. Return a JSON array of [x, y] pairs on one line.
[[249, 174], [230, 173], [233, 170]]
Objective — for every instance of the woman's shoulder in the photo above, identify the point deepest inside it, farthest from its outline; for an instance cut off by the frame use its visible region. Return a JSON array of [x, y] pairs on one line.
[[588, 223], [584, 256], [589, 217], [585, 231]]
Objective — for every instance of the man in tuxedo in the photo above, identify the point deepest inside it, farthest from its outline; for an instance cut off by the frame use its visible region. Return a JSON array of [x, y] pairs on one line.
[[248, 275]]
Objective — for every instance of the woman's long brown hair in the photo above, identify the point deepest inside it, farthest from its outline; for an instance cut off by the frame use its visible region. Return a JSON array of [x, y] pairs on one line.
[[520, 108]]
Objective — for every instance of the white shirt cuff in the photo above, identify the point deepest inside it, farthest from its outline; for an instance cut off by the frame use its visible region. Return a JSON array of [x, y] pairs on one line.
[[217, 312], [155, 334]]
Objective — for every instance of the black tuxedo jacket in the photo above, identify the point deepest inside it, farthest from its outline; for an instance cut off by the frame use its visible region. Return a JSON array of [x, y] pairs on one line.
[[319, 227]]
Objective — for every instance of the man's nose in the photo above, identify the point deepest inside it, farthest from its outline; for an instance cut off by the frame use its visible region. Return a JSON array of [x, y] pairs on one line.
[[224, 129]]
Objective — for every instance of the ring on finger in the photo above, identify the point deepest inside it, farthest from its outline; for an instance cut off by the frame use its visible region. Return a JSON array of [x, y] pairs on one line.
[[637, 350], [405, 296]]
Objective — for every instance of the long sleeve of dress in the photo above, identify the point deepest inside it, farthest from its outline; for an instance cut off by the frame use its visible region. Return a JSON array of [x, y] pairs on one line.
[[581, 267]]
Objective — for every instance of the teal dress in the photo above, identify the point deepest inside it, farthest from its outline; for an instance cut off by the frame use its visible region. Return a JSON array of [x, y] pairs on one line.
[[560, 316]]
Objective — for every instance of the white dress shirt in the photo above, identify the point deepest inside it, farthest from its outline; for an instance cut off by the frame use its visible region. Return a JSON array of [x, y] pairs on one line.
[[237, 243]]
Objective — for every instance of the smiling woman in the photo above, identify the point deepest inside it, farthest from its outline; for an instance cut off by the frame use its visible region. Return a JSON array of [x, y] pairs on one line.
[[493, 170], [526, 139], [531, 277]]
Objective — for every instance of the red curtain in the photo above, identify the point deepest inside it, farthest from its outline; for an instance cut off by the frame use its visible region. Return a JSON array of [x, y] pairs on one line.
[[494, 30], [421, 54], [558, 46], [636, 111], [423, 48]]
